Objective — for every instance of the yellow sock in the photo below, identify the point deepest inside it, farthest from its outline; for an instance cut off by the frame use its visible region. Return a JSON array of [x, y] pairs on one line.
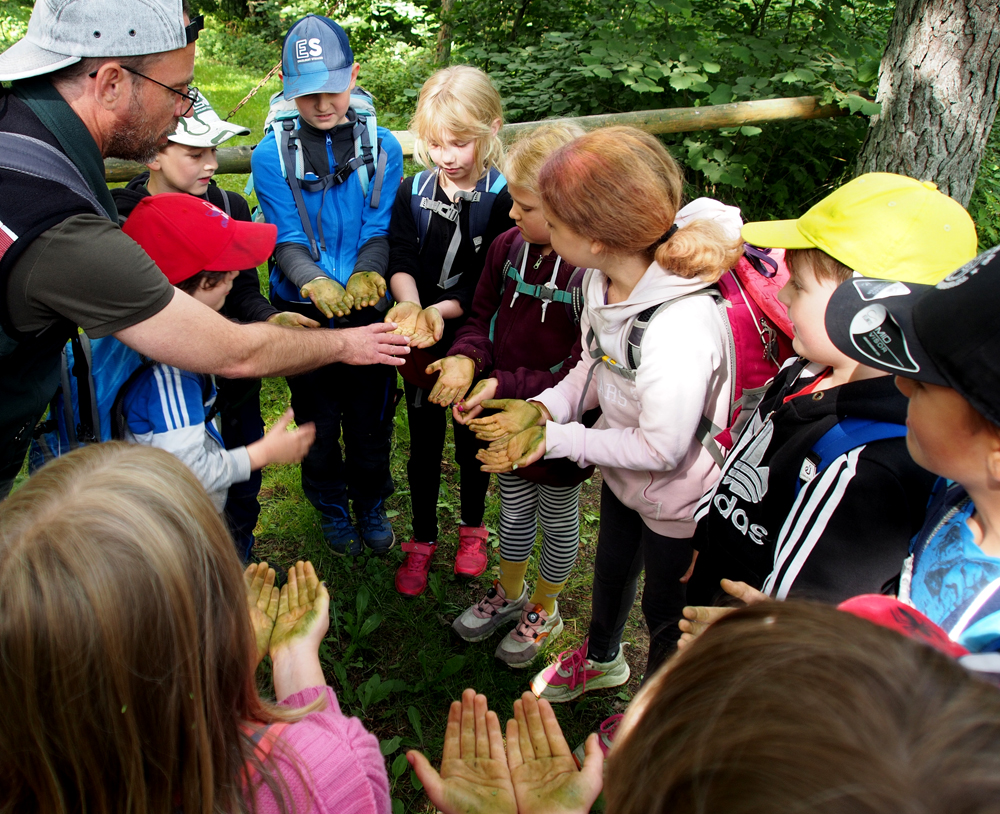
[[546, 594], [512, 577]]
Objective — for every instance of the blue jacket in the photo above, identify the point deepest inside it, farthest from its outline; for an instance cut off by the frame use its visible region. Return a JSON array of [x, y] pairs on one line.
[[349, 221]]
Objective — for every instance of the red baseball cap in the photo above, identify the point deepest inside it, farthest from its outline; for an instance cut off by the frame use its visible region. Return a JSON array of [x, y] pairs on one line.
[[184, 234]]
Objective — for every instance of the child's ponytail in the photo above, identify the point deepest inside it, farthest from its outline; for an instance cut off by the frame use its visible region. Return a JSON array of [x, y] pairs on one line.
[[620, 186]]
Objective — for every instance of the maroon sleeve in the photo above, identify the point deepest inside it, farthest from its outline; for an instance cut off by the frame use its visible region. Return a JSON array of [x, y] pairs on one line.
[[524, 383], [473, 338]]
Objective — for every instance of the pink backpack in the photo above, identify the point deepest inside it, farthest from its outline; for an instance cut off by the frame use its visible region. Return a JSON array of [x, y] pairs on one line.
[[759, 336]]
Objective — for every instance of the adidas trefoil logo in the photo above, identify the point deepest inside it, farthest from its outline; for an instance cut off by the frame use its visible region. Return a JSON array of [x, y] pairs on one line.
[[746, 478]]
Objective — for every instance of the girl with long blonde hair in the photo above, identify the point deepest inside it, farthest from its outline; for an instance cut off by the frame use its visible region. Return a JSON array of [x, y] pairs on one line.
[[129, 649]]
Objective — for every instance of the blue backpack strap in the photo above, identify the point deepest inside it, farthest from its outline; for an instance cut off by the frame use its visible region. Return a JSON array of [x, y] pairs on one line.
[[489, 186], [288, 150], [418, 192], [847, 434]]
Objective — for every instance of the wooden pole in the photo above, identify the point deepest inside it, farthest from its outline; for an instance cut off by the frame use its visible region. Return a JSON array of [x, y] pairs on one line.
[[676, 120]]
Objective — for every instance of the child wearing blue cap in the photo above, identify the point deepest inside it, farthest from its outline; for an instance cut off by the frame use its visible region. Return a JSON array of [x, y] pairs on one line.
[[326, 176]]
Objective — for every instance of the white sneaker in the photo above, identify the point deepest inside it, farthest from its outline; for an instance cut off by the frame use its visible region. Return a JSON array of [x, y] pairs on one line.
[[535, 630], [479, 621], [573, 673]]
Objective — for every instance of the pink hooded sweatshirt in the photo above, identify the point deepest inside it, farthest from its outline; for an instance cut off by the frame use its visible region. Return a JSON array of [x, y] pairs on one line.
[[645, 441]]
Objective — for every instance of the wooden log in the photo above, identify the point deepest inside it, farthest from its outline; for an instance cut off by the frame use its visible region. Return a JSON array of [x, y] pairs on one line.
[[676, 120]]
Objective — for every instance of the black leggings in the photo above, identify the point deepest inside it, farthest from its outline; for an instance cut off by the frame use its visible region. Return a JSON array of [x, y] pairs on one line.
[[624, 545], [428, 423]]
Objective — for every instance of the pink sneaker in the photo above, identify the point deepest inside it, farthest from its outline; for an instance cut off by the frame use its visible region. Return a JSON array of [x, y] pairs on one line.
[[573, 673], [411, 578], [606, 736], [470, 561]]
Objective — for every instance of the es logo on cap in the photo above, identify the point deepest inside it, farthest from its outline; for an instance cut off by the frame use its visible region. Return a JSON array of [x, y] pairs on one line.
[[308, 50]]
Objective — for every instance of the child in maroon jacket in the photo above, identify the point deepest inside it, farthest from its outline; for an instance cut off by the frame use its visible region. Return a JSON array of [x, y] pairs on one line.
[[524, 337]]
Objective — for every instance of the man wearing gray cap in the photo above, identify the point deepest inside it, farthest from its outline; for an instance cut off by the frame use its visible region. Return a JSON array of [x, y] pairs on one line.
[[94, 79]]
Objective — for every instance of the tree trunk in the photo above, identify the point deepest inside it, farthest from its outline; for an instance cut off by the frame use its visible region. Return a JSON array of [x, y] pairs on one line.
[[938, 85], [443, 55]]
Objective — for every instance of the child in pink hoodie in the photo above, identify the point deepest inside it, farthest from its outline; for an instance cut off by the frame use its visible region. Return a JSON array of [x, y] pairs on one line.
[[612, 200]]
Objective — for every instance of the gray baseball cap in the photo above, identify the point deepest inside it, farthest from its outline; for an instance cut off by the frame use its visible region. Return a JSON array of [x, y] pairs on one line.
[[62, 32]]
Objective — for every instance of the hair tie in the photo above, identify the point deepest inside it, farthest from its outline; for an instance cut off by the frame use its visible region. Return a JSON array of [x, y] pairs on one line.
[[666, 235]]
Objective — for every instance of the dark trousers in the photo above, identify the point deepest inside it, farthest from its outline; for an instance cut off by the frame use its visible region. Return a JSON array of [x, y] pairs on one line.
[[428, 424], [358, 401], [239, 400], [624, 546]]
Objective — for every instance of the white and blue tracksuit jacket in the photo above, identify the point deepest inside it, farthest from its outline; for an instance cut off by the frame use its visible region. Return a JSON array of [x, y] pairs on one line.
[[167, 407]]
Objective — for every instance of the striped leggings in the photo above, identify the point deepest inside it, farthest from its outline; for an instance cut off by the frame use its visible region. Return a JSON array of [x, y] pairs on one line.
[[522, 504]]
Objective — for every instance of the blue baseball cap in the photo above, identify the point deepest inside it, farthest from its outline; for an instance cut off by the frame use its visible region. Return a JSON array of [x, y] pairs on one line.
[[316, 58]]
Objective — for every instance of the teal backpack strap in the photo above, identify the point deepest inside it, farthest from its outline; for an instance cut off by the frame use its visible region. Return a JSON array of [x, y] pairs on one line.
[[515, 257]]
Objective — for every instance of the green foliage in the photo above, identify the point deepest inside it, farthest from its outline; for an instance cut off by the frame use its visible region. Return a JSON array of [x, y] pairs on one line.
[[985, 203], [13, 21], [650, 54]]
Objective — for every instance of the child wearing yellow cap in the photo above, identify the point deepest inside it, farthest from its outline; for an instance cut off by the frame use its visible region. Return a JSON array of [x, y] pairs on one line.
[[819, 497]]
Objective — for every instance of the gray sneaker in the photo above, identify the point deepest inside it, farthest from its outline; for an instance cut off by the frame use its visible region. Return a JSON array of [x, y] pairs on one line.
[[535, 630], [479, 621]]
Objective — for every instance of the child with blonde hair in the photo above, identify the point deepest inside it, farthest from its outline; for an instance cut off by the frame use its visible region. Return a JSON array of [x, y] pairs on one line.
[[443, 222], [612, 200], [522, 337], [129, 644]]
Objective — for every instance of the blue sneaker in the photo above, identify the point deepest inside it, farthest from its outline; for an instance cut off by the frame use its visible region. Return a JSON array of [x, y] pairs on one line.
[[341, 535], [375, 528]]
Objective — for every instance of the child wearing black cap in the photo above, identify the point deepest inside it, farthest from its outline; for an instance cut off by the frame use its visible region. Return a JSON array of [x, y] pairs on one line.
[[943, 345], [200, 249], [819, 498]]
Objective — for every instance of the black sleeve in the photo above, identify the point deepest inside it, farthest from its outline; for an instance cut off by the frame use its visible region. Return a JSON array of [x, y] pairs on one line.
[[373, 255], [404, 249], [296, 263], [245, 302]]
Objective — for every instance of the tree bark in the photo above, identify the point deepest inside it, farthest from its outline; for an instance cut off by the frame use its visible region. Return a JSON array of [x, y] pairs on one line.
[[443, 55], [939, 83]]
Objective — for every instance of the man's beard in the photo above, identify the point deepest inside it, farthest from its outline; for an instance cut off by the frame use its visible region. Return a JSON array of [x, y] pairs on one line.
[[135, 139]]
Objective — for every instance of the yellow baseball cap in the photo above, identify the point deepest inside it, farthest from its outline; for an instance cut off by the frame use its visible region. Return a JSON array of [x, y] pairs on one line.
[[880, 225]]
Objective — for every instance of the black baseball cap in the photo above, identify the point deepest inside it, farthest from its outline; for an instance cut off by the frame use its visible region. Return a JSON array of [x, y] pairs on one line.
[[946, 334]]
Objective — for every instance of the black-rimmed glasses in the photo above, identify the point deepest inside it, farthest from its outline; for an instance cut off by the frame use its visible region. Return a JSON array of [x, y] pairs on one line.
[[191, 95]]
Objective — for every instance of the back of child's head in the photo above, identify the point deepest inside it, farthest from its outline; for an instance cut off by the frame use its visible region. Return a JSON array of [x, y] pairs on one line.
[[879, 225], [620, 186], [186, 235], [125, 643], [791, 707], [531, 150], [460, 100]]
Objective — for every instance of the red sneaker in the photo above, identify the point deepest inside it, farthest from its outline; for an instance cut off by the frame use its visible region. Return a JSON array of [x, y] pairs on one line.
[[470, 561], [411, 578]]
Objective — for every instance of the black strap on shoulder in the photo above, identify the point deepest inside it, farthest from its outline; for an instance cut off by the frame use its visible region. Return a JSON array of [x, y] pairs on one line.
[[118, 422], [88, 431]]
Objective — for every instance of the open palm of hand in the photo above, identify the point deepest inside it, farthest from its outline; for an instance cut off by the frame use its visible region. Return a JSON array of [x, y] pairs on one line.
[[429, 328], [515, 415], [404, 314], [366, 287], [262, 599], [303, 610], [521, 449]]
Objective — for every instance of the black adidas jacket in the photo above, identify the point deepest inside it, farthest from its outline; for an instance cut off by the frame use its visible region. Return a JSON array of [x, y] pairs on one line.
[[847, 532]]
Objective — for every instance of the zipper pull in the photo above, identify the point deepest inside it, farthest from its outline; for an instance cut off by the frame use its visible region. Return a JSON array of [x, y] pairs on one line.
[[538, 262]]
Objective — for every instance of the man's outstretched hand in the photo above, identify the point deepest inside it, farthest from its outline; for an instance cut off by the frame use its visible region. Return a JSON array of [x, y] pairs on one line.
[[374, 344]]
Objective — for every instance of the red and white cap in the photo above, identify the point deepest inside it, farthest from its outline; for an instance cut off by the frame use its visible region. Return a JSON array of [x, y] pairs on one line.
[[185, 234]]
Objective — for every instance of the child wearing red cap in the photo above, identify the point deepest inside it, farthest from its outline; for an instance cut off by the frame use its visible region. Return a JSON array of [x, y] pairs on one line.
[[200, 249]]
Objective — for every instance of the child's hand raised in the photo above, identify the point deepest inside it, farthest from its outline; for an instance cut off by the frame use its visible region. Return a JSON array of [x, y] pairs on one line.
[[456, 373], [467, 409], [281, 446], [515, 415], [366, 288], [262, 599], [697, 618], [329, 296], [522, 449]]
